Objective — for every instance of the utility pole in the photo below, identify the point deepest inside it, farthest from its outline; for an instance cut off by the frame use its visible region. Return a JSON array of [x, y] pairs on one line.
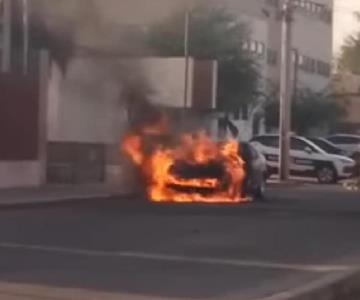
[[285, 90], [6, 36], [186, 55], [296, 73], [25, 21]]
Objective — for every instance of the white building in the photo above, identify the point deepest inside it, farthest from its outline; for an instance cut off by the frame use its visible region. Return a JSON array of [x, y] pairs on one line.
[[312, 30]]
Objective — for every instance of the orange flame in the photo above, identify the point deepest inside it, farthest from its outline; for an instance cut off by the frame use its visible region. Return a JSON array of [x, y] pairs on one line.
[[196, 149]]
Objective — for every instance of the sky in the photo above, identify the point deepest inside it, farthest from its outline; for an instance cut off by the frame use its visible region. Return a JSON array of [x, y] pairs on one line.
[[344, 22]]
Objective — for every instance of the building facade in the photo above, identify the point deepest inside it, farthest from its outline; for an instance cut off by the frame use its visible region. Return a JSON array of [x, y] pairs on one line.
[[347, 93], [312, 31]]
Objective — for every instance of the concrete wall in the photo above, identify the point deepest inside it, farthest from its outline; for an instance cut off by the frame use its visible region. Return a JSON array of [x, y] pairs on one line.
[[84, 106], [22, 125], [20, 174]]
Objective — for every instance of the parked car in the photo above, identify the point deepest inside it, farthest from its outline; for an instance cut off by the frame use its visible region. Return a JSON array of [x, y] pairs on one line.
[[328, 146], [256, 171], [307, 159], [347, 142]]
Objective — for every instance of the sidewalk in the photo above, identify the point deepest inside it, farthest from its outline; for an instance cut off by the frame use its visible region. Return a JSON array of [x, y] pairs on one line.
[[58, 193]]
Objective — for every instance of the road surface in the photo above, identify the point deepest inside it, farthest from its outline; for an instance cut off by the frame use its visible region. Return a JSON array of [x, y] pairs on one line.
[[112, 249]]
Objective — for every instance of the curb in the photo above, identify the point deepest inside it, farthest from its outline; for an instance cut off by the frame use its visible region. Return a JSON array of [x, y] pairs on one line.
[[275, 183], [344, 286], [57, 201]]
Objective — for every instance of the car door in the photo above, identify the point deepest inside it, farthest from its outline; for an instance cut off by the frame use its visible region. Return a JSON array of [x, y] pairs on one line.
[[301, 157]]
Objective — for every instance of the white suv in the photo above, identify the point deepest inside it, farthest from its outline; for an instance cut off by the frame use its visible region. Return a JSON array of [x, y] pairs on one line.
[[306, 159]]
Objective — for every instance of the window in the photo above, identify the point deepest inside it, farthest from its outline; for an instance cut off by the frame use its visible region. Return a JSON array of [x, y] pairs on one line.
[[323, 68], [260, 49], [272, 57], [306, 63], [294, 55], [246, 45], [298, 145], [311, 7], [254, 47], [319, 8], [273, 2], [302, 3], [308, 5]]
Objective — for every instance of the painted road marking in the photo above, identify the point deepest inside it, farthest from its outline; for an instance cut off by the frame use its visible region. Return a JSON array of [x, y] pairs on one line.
[[178, 258]]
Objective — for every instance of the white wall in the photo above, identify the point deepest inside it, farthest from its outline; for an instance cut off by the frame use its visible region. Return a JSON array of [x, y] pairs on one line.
[[84, 106], [166, 77]]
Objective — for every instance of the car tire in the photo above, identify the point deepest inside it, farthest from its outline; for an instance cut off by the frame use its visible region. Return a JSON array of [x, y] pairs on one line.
[[326, 175]]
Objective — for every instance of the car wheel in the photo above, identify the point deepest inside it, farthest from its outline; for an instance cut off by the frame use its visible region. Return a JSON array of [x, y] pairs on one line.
[[326, 175]]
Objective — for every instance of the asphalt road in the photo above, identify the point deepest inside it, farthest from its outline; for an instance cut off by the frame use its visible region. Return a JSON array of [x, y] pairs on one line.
[[112, 249]]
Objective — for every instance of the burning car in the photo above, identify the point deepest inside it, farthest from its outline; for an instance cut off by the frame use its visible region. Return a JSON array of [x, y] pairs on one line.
[[186, 167]]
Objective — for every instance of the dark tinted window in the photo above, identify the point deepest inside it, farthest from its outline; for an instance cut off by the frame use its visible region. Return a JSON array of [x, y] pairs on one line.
[[300, 145], [297, 144], [344, 140], [269, 141]]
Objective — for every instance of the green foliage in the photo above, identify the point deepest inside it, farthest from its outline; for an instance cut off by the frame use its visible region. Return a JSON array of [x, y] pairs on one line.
[[214, 34], [309, 110]]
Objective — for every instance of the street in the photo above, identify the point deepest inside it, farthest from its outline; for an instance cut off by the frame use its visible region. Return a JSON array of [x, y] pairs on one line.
[[117, 249]]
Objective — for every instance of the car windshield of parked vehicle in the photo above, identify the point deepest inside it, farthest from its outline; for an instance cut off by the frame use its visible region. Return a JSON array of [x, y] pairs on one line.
[[344, 139], [326, 146]]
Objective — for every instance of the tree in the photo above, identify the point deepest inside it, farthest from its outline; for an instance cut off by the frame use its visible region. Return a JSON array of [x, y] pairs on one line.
[[310, 110], [214, 34], [350, 53]]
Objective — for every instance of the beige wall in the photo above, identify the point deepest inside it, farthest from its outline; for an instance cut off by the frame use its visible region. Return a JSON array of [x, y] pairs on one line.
[[347, 87]]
